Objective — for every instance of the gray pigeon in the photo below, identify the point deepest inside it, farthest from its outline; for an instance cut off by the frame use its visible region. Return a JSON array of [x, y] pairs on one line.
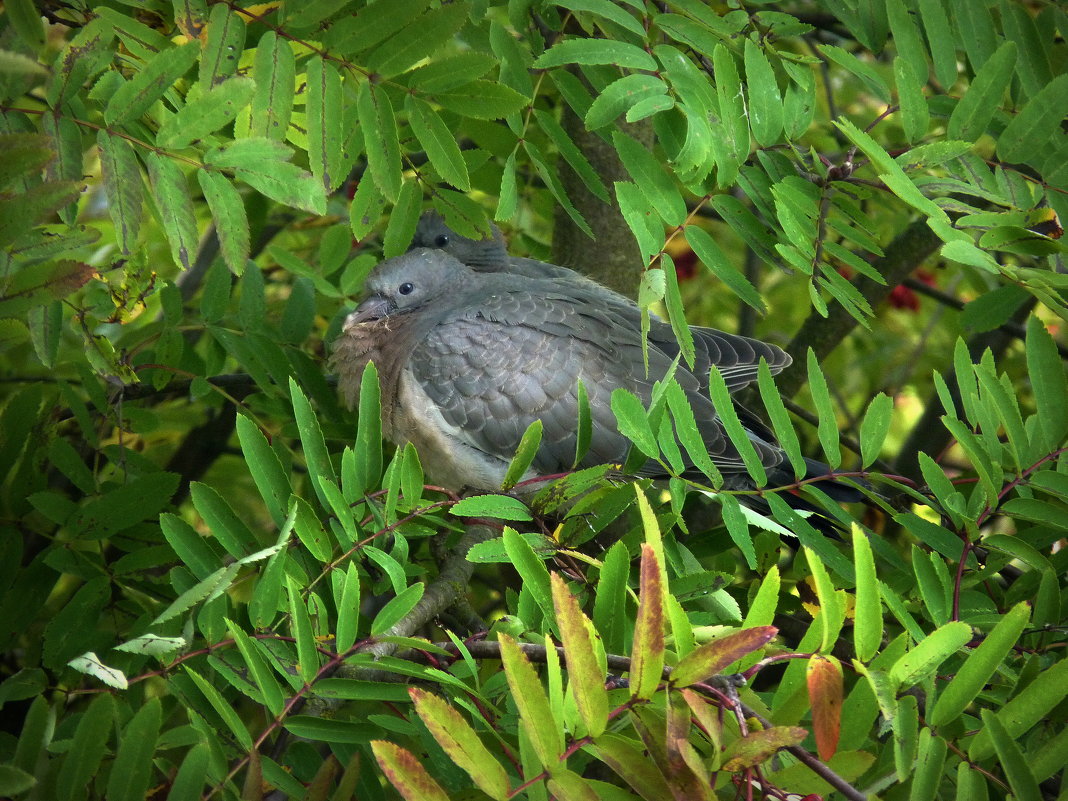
[[736, 357], [467, 361]]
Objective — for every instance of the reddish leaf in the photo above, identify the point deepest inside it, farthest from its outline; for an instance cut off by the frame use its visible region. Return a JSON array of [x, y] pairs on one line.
[[759, 746], [461, 743], [712, 657], [586, 678], [687, 772], [405, 774], [825, 695], [647, 659]]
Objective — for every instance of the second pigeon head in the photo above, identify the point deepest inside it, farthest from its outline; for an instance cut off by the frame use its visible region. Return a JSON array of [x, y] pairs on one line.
[[482, 255]]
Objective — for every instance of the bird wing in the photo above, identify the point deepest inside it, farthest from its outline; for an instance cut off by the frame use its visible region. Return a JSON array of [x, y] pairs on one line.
[[736, 357], [516, 355]]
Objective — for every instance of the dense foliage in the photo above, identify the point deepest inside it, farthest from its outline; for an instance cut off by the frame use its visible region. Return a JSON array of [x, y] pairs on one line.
[[218, 583]]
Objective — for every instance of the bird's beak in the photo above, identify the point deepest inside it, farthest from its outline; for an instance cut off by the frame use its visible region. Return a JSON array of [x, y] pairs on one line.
[[374, 308]]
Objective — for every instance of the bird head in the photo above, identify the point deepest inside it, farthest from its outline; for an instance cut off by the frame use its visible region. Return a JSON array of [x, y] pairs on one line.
[[481, 255], [406, 283]]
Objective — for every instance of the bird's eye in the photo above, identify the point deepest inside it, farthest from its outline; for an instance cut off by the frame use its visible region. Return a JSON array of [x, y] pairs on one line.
[[441, 240], [406, 288]]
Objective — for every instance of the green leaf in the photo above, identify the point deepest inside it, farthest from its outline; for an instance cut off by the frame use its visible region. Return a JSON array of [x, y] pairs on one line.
[[531, 570], [930, 652], [189, 780], [647, 660], [688, 434], [630, 761], [420, 38], [868, 617], [535, 715], [228, 214], [348, 610], [310, 531], [874, 427], [728, 416], [508, 201], [1031, 129], [25, 18], [311, 438], [438, 142], [651, 179], [1049, 382], [403, 221], [524, 455], [229, 529], [215, 108], [326, 127], [1027, 709], [983, 98], [170, 191], [980, 666], [123, 507], [222, 707], [915, 116], [865, 72], [368, 435], [134, 97], [380, 138], [501, 507], [482, 100], [640, 218], [621, 95], [194, 550], [607, 9], [939, 40], [443, 74], [931, 759], [405, 774], [396, 608], [1017, 769], [765, 102], [828, 428], [301, 625], [35, 737], [86, 749], [552, 180], [609, 603], [713, 257], [13, 780], [274, 71], [264, 165], [993, 308], [271, 480], [571, 153], [371, 25], [732, 117], [461, 743], [633, 421], [586, 676], [133, 769], [595, 51], [831, 614], [1033, 68], [676, 313], [224, 41], [262, 675], [89, 664], [908, 42]]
